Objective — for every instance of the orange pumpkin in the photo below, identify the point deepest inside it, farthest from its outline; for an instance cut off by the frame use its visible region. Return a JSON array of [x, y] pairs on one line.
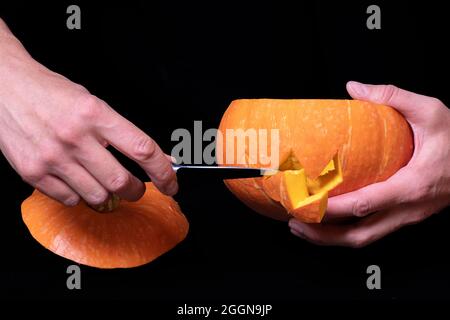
[[130, 235], [326, 148]]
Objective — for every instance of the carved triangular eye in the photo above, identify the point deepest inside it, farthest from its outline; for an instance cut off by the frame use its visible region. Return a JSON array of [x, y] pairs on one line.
[[291, 163]]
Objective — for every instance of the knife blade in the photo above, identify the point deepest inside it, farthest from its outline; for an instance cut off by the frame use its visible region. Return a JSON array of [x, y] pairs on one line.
[[223, 172]]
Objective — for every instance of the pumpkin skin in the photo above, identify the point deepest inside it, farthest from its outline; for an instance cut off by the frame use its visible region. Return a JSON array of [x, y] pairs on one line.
[[134, 234], [371, 142]]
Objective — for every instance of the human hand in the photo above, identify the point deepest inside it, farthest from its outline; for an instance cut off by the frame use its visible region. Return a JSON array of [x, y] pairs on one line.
[[54, 133], [415, 192]]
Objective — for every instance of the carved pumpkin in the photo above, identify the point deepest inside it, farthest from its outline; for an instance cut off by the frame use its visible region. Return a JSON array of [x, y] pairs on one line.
[[326, 148], [124, 235]]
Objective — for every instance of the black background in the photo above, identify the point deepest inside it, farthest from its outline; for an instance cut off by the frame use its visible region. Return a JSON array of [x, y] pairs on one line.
[[164, 64]]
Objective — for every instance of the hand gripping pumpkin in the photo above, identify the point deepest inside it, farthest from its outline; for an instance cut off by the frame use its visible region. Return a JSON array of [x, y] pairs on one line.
[[118, 235], [326, 148]]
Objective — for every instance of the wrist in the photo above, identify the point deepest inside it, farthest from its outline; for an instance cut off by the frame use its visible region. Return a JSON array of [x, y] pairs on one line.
[[12, 52]]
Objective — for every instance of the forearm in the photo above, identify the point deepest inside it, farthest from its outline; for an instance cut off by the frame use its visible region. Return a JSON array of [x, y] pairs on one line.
[[18, 70], [4, 30], [12, 52]]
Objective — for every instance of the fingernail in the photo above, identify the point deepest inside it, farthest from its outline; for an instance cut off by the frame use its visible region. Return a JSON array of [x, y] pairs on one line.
[[358, 88], [71, 202], [293, 224], [296, 226]]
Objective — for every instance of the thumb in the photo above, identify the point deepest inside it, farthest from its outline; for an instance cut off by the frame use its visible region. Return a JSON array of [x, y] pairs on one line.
[[410, 104]]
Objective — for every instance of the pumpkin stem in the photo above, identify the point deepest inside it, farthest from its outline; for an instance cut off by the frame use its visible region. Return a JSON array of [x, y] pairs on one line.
[[109, 205]]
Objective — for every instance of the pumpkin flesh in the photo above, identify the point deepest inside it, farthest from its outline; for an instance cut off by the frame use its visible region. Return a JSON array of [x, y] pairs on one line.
[[302, 197]]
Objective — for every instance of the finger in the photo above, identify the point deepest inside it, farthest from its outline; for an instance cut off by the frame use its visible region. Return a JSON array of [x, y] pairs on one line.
[[82, 183], [362, 233], [298, 234], [374, 197], [102, 165], [58, 190], [410, 104], [136, 145]]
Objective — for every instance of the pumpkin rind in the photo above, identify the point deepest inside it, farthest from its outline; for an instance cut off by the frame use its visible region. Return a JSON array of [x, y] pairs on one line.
[[133, 234], [371, 143]]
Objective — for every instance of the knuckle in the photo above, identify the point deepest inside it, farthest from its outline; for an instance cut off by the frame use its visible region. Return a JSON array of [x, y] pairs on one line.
[[88, 107], [361, 207], [436, 103], [31, 173], [163, 175], [119, 182], [144, 149], [388, 94], [436, 110], [81, 89], [69, 134], [50, 156]]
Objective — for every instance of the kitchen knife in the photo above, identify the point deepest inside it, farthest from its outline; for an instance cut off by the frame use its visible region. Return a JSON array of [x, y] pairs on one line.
[[223, 172]]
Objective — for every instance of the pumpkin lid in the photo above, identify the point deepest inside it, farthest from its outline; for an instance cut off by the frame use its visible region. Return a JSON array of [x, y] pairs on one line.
[[133, 234]]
